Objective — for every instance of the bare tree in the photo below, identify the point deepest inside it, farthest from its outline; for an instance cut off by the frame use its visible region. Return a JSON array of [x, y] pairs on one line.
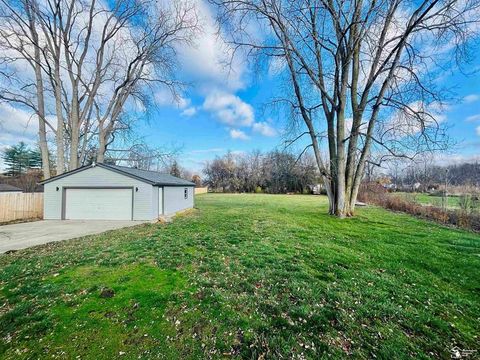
[[95, 57], [273, 172], [140, 155], [360, 73], [17, 34]]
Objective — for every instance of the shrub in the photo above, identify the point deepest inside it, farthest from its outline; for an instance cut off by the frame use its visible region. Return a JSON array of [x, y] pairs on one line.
[[258, 190], [375, 194], [465, 203], [437, 201]]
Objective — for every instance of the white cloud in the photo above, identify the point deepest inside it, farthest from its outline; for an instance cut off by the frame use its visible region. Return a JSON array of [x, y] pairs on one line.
[[449, 159], [17, 125], [264, 128], [276, 66], [471, 98], [229, 109], [209, 64], [209, 61], [164, 97], [478, 130], [190, 111], [348, 126], [473, 118], [238, 134]]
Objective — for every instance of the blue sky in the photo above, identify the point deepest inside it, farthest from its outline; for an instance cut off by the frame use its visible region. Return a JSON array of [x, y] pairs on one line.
[[203, 136], [225, 108], [245, 123]]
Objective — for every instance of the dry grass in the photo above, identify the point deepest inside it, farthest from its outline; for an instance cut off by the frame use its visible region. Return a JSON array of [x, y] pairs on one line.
[[375, 194]]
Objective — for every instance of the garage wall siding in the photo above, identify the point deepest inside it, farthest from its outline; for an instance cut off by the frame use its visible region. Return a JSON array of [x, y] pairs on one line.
[[175, 200], [155, 202], [143, 204]]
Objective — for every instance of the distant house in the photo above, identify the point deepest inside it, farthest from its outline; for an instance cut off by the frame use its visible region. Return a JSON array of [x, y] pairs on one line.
[[391, 186], [410, 187], [110, 192], [9, 189], [315, 189]]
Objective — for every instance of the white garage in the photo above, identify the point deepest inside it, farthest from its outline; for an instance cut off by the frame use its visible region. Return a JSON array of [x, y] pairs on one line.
[[111, 192], [98, 203]]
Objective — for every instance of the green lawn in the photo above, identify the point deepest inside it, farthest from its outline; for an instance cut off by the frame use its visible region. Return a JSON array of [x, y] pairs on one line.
[[426, 199], [250, 276]]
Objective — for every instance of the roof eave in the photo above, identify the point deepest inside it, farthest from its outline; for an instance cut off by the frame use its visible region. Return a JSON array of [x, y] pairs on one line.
[[111, 168], [171, 184], [57, 177], [104, 166]]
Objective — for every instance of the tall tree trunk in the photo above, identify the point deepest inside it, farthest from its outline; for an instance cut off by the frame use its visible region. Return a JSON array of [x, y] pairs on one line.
[[74, 129], [42, 131], [60, 144], [74, 142], [60, 134], [340, 168], [326, 181], [341, 208], [102, 144], [42, 143]]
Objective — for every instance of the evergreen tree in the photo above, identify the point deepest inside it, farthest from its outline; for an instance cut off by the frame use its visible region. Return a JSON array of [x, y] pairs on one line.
[[175, 169], [19, 158]]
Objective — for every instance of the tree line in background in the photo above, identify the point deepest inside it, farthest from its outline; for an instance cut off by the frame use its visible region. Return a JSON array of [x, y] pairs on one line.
[[272, 172], [173, 168], [283, 172], [429, 176], [275, 172]]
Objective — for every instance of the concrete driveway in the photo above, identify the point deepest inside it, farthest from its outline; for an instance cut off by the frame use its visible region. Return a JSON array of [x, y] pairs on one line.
[[24, 235]]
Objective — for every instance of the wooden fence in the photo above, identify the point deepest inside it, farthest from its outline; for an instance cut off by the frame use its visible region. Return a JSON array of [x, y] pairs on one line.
[[21, 206], [201, 190]]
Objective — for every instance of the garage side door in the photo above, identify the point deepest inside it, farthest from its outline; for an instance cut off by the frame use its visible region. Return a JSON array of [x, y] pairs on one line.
[[98, 204]]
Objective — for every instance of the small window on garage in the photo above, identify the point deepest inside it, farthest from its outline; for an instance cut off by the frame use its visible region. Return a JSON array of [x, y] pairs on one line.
[[185, 193]]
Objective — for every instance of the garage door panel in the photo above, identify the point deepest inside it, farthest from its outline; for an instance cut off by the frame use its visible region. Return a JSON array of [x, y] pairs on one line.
[[98, 204]]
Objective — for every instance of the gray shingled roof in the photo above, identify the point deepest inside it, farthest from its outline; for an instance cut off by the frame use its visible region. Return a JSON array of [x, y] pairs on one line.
[[7, 187], [154, 177], [151, 177]]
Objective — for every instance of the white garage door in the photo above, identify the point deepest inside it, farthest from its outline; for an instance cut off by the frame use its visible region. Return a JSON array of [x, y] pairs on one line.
[[98, 204]]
